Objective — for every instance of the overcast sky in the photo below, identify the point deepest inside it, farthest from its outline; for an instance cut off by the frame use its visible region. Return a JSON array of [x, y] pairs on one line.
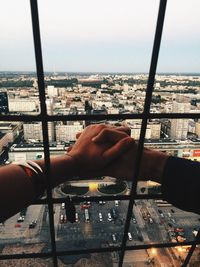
[[100, 36]]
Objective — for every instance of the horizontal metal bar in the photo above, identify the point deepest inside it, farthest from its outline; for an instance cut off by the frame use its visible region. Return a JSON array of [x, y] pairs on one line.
[[27, 118], [94, 250], [98, 198]]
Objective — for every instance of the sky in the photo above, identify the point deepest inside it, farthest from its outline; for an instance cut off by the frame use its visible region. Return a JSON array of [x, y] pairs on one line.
[[100, 36]]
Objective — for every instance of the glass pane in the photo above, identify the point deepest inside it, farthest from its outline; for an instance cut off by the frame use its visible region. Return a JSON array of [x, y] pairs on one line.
[[180, 42], [156, 221], [26, 232], [95, 259], [102, 58], [37, 262], [18, 83], [97, 225], [194, 261]]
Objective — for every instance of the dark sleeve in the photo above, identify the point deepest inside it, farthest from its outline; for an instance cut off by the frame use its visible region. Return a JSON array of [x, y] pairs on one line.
[[181, 184]]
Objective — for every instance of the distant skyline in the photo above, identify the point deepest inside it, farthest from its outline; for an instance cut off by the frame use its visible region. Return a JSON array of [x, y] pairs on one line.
[[105, 36]]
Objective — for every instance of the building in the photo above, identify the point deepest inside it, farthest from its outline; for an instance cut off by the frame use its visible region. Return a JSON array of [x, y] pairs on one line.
[[179, 127], [50, 110], [68, 132], [33, 151], [22, 105], [3, 102], [52, 91], [4, 140], [33, 130], [11, 130]]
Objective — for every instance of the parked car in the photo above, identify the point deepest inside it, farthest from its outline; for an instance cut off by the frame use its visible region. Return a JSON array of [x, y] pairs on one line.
[[21, 219], [129, 236], [100, 217], [114, 239], [109, 217]]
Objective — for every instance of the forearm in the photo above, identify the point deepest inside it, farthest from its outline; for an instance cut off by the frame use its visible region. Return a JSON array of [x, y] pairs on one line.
[[62, 168], [17, 189]]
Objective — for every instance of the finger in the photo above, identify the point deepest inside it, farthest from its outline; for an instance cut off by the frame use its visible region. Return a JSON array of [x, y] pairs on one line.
[[125, 129], [78, 135], [119, 148], [69, 148], [109, 135]]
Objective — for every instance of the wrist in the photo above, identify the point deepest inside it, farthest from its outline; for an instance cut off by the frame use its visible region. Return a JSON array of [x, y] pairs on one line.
[[63, 168], [153, 164]]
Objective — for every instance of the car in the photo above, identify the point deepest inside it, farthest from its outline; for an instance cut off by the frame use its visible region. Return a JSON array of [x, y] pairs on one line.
[[20, 219], [114, 239], [114, 213], [102, 202], [169, 215], [180, 238], [160, 211], [17, 225], [173, 211], [162, 215], [116, 203], [150, 220], [100, 217], [134, 220], [129, 236], [76, 217], [179, 230], [32, 224], [63, 205], [85, 206], [173, 220], [109, 217]]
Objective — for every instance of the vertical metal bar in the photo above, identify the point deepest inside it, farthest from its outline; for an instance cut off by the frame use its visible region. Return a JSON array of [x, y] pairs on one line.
[[189, 255], [41, 86], [150, 84]]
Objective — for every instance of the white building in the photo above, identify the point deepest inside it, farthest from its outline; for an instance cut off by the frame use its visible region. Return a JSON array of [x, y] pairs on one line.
[[68, 132], [52, 91], [33, 130], [22, 105], [179, 127]]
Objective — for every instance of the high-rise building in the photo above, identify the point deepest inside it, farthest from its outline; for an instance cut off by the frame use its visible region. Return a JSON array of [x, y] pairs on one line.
[[51, 128], [52, 91], [3, 102], [179, 127]]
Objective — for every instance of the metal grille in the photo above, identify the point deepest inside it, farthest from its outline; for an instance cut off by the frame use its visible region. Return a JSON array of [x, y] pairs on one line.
[[44, 118]]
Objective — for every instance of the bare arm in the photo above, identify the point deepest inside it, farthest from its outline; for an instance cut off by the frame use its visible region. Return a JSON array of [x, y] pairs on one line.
[[86, 159]]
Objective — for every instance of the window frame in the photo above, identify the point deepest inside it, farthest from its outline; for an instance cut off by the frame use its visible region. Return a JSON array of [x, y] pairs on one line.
[[45, 118]]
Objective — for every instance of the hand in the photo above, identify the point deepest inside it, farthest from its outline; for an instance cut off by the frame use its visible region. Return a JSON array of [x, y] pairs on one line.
[[123, 166], [92, 158], [151, 166]]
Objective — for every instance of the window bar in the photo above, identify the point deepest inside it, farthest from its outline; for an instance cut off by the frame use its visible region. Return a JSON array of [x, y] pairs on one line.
[[44, 118], [92, 250], [150, 84], [190, 252], [41, 87], [100, 117]]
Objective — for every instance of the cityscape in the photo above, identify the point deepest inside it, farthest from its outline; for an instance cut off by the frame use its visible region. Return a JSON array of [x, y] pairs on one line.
[[100, 224]]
